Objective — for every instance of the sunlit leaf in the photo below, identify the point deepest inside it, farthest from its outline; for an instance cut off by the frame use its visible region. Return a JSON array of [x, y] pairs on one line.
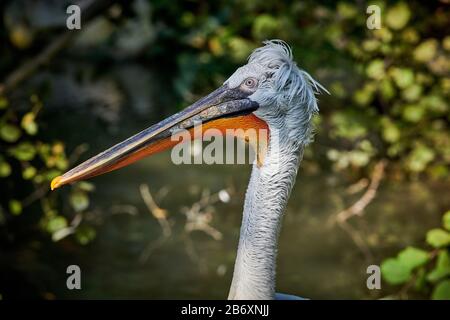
[[85, 234], [426, 50], [410, 35], [29, 172], [412, 93], [387, 89], [385, 36], [58, 148], [442, 268], [61, 163], [446, 220], [240, 48], [359, 158], [337, 89], [391, 133], [394, 272], [438, 238], [56, 223], [421, 279], [435, 103], [442, 291], [446, 43], [79, 200], [264, 26], [21, 36], [371, 45], [375, 69], [398, 16], [349, 125], [403, 77], [28, 124], [5, 169], [347, 10], [9, 132], [85, 186], [419, 158], [412, 257], [51, 174], [25, 151], [413, 113], [15, 207]]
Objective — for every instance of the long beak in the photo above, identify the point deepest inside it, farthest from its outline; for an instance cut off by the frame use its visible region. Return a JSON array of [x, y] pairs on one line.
[[222, 109]]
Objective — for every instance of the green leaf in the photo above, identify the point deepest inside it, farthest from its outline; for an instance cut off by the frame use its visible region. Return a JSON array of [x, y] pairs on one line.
[[446, 43], [442, 291], [264, 25], [398, 16], [375, 69], [9, 132], [438, 238], [5, 169], [442, 268], [359, 158], [85, 234], [419, 158], [56, 223], [413, 113], [349, 125], [446, 220], [426, 50], [29, 172], [391, 133], [347, 10], [85, 186], [394, 272], [403, 77], [15, 207], [28, 123], [79, 200], [412, 257], [421, 280], [51, 174], [25, 151], [412, 93], [387, 89]]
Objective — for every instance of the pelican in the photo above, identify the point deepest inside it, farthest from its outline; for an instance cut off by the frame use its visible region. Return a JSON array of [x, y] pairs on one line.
[[269, 92]]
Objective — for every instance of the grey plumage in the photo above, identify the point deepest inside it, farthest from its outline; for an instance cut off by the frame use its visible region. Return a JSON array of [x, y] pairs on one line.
[[286, 96]]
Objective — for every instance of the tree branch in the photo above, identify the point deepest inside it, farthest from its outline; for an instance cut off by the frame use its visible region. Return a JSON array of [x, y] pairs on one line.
[[358, 207], [89, 10]]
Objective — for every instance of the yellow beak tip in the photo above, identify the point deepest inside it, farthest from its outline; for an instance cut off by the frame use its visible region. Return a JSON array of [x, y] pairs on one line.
[[56, 182]]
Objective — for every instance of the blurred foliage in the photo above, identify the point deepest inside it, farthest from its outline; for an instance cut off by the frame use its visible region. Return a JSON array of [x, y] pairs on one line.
[[27, 165], [399, 106], [426, 271]]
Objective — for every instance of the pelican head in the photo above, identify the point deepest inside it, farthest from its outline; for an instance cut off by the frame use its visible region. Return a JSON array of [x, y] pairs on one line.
[[284, 93], [269, 92]]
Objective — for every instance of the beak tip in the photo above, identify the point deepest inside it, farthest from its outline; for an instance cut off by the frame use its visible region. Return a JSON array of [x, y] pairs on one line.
[[56, 182]]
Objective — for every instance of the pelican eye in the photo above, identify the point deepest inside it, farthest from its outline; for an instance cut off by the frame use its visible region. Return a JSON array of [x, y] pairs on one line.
[[250, 83]]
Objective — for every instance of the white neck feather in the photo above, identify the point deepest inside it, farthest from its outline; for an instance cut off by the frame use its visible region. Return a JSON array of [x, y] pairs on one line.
[[265, 202]]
